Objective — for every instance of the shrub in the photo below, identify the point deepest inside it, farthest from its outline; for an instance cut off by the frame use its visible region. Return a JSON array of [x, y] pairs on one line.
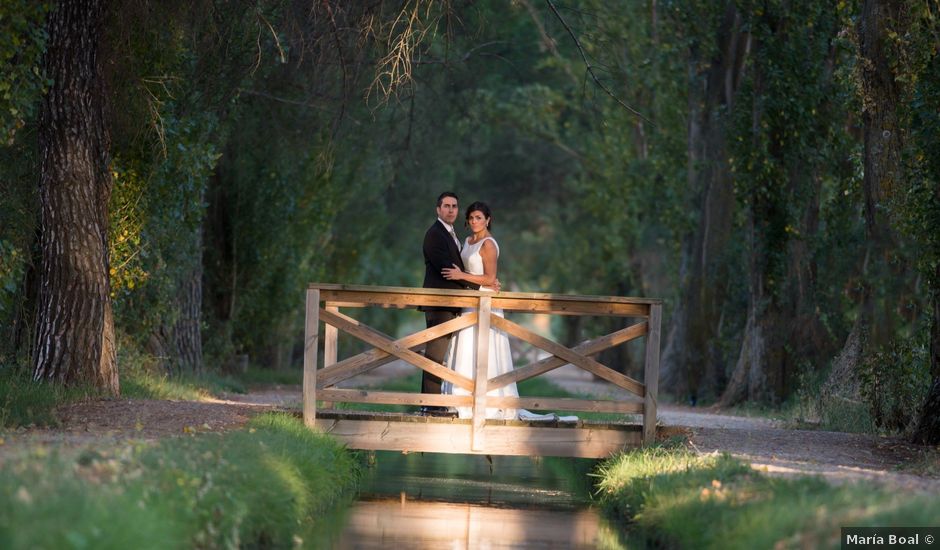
[[895, 380]]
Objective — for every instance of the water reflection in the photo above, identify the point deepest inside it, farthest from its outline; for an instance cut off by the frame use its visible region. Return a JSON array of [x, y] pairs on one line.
[[498, 480], [416, 524], [463, 502]]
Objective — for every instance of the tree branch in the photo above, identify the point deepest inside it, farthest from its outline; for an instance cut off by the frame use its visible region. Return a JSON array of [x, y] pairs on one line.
[[590, 68]]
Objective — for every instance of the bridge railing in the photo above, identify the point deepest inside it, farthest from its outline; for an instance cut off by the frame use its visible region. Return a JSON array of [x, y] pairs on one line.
[[325, 300]]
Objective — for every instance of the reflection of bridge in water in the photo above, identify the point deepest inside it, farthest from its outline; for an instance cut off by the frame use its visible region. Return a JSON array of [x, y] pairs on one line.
[[409, 432]]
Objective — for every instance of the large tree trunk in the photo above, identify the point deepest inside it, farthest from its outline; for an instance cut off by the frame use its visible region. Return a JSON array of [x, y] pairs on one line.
[[882, 130], [74, 325], [690, 358]]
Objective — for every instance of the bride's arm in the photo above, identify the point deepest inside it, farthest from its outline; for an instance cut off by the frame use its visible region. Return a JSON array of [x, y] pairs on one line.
[[489, 256]]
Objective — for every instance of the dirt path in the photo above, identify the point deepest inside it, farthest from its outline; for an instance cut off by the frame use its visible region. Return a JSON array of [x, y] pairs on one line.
[[839, 457]]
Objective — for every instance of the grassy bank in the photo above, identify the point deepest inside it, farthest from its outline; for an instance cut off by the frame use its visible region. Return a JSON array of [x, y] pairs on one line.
[[263, 485], [674, 497]]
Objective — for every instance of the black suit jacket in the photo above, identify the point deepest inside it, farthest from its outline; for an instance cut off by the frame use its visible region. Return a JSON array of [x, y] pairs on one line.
[[441, 251]]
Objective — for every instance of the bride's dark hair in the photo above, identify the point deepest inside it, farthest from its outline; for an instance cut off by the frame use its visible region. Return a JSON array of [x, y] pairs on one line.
[[482, 208]]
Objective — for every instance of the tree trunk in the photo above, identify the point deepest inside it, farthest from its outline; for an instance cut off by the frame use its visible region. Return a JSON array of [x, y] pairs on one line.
[[882, 131], [187, 333], [928, 425], [74, 325], [690, 354]]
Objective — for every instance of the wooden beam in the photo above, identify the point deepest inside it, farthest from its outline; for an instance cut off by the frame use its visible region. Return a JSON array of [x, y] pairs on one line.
[[330, 347], [566, 404], [311, 336], [591, 347], [399, 300], [374, 358], [481, 373], [437, 435], [329, 292], [568, 307], [396, 398], [570, 356], [522, 305], [368, 335], [651, 375]]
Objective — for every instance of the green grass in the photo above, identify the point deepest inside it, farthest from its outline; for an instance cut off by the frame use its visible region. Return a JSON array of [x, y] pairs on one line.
[[676, 498], [268, 377], [151, 385], [926, 463], [261, 486], [24, 402]]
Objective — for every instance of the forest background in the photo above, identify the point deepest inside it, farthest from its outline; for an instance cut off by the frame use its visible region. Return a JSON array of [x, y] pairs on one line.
[[769, 168]]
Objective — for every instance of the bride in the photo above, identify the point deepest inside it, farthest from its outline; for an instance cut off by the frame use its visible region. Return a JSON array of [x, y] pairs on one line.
[[480, 255]]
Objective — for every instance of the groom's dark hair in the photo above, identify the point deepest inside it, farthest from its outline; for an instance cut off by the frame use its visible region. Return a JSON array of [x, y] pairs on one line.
[[444, 195]]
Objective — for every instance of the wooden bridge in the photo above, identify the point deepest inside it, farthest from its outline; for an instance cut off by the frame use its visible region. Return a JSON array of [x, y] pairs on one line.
[[412, 433]]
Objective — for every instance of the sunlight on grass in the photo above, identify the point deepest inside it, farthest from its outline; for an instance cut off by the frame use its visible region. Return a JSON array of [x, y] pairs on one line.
[[675, 497]]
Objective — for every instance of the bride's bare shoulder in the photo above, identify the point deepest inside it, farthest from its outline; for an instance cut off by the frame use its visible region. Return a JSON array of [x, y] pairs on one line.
[[489, 243]]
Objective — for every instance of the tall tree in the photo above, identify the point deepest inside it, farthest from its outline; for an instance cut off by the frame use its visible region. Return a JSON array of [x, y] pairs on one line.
[[717, 55], [74, 326], [780, 160]]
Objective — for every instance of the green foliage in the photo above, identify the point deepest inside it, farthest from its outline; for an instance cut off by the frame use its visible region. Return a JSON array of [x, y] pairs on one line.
[[919, 205], [895, 381], [259, 486], [11, 271], [156, 214], [674, 497], [22, 43]]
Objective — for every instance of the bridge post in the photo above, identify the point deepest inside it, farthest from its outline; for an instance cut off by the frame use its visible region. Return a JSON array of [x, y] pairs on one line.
[[330, 345], [311, 338], [651, 374], [481, 374]]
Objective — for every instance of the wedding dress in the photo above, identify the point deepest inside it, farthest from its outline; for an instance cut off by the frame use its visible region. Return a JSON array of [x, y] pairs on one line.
[[462, 354]]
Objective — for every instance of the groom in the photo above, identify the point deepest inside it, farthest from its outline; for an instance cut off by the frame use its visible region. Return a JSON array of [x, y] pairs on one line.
[[441, 249]]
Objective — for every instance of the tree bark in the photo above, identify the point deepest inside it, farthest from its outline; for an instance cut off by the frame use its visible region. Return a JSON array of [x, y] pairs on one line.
[[187, 331], [690, 359], [74, 325]]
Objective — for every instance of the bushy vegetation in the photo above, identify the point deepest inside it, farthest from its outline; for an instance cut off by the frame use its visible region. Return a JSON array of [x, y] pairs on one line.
[[894, 383], [673, 497], [258, 487]]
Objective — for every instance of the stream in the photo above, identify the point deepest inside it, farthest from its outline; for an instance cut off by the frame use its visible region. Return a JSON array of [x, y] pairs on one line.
[[427, 500]]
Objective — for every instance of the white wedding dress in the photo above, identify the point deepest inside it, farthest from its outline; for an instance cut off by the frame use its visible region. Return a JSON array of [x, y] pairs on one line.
[[462, 354]]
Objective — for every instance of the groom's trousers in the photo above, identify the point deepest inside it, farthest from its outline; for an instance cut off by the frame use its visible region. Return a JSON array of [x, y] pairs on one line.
[[435, 349]]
